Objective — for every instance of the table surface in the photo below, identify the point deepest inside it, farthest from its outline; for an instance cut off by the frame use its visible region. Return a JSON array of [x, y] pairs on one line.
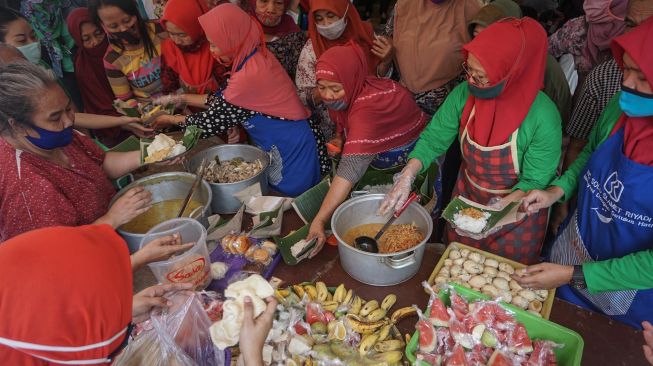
[[606, 342]]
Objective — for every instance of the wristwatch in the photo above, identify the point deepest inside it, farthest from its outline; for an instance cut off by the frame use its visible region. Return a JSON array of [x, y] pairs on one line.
[[578, 278]]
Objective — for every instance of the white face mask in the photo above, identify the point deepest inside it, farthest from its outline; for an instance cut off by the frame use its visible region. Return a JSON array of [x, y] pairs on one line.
[[335, 29]]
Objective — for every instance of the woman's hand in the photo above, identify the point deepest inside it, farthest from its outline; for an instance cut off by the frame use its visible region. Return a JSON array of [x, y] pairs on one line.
[[233, 135], [176, 99], [152, 297], [159, 249], [133, 203], [316, 231], [254, 331], [544, 276], [383, 49], [138, 129], [403, 183], [648, 339], [536, 200], [166, 120]]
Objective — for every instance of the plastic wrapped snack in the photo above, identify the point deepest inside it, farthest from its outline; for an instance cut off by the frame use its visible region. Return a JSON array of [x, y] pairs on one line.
[[178, 337]]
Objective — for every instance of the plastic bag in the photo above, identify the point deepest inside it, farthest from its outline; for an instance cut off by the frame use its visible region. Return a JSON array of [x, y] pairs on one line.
[[178, 337]]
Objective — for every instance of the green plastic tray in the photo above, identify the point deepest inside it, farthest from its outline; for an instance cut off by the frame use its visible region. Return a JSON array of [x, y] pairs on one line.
[[538, 328]]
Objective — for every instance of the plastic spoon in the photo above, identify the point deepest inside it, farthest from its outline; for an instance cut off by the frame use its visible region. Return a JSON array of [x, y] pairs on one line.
[[367, 244]]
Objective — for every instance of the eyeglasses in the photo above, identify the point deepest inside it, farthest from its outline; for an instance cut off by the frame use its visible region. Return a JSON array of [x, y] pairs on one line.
[[470, 74]]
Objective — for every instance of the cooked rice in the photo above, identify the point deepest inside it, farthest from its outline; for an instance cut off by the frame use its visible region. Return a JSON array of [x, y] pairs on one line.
[[468, 219]]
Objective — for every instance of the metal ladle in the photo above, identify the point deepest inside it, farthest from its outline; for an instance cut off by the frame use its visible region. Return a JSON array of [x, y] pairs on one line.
[[367, 244]]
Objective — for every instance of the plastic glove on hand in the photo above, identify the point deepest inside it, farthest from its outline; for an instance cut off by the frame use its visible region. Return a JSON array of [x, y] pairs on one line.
[[398, 194]]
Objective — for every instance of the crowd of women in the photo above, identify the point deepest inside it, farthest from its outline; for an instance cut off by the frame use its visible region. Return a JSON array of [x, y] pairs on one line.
[[548, 109]]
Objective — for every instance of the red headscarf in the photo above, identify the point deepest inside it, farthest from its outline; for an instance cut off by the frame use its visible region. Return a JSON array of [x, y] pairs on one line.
[[382, 115], [64, 287], [89, 67], [638, 131], [286, 26], [261, 84], [195, 69], [357, 30], [518, 60]]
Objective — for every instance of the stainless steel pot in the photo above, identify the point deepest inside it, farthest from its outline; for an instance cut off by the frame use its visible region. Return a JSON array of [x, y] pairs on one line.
[[372, 268], [224, 201], [169, 186]]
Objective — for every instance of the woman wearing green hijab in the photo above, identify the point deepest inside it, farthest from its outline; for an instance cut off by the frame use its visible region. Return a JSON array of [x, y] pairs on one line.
[[555, 83]]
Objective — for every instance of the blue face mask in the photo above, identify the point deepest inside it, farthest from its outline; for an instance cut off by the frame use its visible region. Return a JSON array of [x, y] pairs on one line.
[[634, 103], [49, 140], [337, 105], [32, 52], [486, 93]]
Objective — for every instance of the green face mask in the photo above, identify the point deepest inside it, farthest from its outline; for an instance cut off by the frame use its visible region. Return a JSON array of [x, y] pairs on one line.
[[486, 93]]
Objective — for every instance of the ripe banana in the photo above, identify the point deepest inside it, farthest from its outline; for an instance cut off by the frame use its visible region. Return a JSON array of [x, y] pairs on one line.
[[299, 291], [349, 297], [340, 293], [367, 343], [356, 305], [387, 358], [330, 305], [402, 313], [384, 332], [377, 314], [389, 345], [322, 291], [280, 296], [388, 302], [369, 307], [311, 291], [363, 327]]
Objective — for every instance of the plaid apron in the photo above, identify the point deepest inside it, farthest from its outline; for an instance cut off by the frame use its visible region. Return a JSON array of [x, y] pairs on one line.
[[488, 172]]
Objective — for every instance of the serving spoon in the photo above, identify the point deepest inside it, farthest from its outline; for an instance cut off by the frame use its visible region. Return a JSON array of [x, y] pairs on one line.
[[371, 245]]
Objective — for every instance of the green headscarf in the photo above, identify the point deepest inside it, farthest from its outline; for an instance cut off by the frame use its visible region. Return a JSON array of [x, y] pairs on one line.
[[492, 12]]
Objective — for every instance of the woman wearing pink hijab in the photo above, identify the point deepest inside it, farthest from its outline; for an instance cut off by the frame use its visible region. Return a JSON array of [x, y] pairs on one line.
[[588, 37], [261, 98]]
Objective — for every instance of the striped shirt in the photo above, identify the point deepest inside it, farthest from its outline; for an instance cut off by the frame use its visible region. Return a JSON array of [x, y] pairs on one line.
[[132, 73], [599, 87]]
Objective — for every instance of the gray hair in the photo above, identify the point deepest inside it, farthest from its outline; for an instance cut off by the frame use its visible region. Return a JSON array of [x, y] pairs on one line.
[[22, 83]]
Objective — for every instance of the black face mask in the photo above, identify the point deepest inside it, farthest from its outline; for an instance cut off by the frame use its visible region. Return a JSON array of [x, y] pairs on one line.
[[127, 37], [486, 93]]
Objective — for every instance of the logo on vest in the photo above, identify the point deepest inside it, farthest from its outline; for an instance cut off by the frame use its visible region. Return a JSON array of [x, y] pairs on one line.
[[614, 187]]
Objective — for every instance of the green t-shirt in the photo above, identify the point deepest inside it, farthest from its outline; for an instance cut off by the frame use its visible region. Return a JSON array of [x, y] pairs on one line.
[[631, 272], [539, 138]]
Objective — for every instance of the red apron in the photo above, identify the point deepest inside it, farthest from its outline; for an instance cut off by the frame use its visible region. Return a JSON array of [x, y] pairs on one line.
[[488, 172]]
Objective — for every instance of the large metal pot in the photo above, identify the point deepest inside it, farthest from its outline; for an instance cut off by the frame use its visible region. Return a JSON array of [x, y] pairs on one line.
[[224, 201], [169, 186], [379, 269]]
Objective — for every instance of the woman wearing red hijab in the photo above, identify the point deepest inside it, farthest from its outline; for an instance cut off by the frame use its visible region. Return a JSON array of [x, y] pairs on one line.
[[73, 304], [378, 119], [602, 257], [330, 23], [97, 96], [187, 61], [509, 133], [260, 97]]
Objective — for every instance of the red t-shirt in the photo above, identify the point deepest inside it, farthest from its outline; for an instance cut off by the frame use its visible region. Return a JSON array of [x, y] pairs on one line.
[[36, 193]]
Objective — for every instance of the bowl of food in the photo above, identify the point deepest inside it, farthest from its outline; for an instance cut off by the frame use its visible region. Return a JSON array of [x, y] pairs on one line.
[[168, 193], [401, 247], [231, 169]]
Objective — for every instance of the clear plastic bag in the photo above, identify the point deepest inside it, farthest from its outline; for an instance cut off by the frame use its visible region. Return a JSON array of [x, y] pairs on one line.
[[177, 337]]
